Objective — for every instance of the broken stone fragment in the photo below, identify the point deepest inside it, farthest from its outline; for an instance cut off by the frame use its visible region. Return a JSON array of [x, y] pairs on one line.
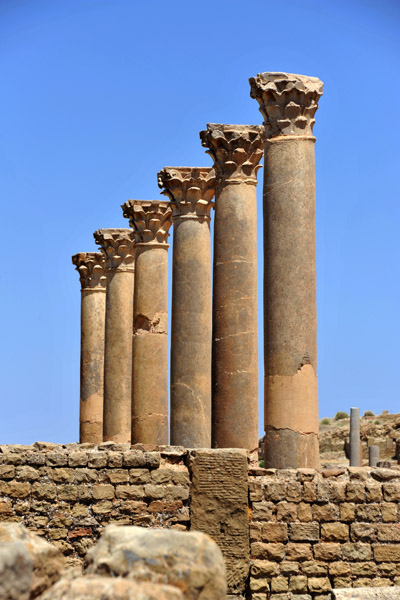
[[190, 561], [15, 571], [382, 593], [47, 560], [94, 587]]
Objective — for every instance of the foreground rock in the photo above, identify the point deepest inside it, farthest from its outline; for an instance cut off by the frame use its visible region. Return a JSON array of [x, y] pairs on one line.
[[94, 587], [16, 570], [383, 593], [46, 560], [191, 561]]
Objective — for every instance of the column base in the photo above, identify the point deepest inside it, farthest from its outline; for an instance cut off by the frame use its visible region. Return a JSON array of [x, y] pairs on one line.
[[285, 448]]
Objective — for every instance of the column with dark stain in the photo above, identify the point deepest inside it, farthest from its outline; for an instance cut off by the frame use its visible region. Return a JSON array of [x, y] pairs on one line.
[[288, 104], [151, 221], [119, 250], [191, 191], [236, 151], [90, 266]]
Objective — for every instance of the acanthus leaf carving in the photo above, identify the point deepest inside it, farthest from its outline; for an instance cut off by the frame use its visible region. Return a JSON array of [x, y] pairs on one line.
[[190, 189], [91, 269], [288, 102], [236, 151], [118, 246], [150, 220]]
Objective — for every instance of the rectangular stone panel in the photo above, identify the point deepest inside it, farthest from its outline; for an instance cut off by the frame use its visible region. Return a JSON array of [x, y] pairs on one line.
[[219, 491]]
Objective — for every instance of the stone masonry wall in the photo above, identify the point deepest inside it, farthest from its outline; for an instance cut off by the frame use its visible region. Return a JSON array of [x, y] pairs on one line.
[[308, 531], [311, 532], [69, 493]]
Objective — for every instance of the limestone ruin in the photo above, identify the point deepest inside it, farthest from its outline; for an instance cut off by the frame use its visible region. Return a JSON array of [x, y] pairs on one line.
[[286, 530]]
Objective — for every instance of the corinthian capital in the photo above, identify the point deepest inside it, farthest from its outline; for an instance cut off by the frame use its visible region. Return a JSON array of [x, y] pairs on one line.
[[287, 102], [235, 149], [190, 189], [91, 269], [118, 247], [150, 220]]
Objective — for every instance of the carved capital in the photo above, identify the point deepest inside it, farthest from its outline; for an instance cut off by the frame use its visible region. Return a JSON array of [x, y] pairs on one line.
[[91, 269], [236, 151], [150, 220], [287, 102], [190, 189], [118, 247]]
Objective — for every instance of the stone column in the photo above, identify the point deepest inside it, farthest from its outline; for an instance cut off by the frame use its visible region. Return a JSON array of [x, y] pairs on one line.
[[119, 250], [288, 104], [236, 151], [373, 456], [90, 266], [151, 221], [191, 191], [355, 444]]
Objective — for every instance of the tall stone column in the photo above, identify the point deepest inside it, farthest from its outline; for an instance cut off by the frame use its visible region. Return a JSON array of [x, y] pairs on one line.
[[191, 191], [90, 266], [236, 151], [119, 250], [151, 221], [288, 104]]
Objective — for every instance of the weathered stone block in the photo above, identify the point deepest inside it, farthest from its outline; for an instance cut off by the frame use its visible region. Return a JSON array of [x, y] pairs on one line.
[[388, 593], [319, 584], [262, 511], [103, 492], [388, 533], [387, 552], [219, 496], [298, 583], [298, 552], [190, 561], [304, 532], [129, 492], [325, 512], [78, 459], [335, 532], [269, 551], [355, 492], [339, 568], [389, 512], [327, 552], [274, 532], [304, 512], [355, 552], [275, 491], [279, 584], [313, 568], [263, 568], [365, 532], [286, 511]]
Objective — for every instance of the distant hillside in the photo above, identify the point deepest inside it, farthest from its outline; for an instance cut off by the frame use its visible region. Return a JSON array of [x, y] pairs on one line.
[[378, 430]]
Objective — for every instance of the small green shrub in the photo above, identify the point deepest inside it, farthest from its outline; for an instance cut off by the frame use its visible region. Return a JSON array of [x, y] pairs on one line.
[[261, 464], [377, 422], [325, 421], [368, 413], [341, 415]]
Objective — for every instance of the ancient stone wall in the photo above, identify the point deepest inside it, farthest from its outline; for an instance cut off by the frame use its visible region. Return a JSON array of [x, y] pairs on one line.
[[312, 531], [301, 533], [70, 493]]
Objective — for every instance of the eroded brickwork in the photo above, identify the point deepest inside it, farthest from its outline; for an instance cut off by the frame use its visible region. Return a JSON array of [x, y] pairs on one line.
[[69, 494], [311, 531], [306, 531]]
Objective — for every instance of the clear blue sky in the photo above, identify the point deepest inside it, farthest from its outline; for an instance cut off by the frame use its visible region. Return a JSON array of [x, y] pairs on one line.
[[98, 95]]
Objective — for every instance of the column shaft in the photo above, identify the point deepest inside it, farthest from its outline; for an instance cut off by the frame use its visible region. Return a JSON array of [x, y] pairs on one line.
[[235, 321], [190, 190], [118, 356], [236, 150], [150, 221], [288, 104], [150, 347], [90, 266], [355, 442], [119, 249], [93, 304], [191, 335], [290, 316]]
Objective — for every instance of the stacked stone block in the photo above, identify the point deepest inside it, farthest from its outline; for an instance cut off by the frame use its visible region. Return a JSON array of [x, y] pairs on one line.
[[311, 532], [69, 493]]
